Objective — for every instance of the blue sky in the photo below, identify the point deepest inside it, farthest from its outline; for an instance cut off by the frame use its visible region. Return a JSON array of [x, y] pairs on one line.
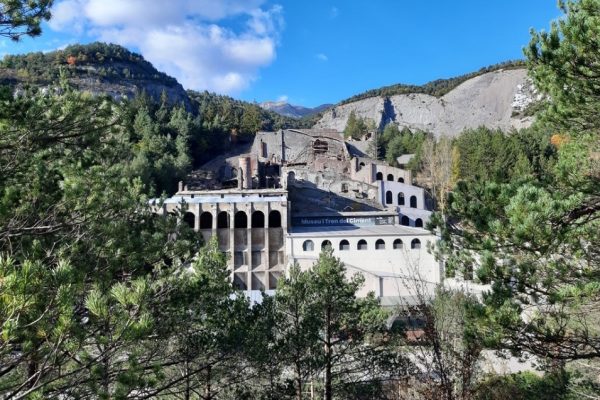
[[308, 52]]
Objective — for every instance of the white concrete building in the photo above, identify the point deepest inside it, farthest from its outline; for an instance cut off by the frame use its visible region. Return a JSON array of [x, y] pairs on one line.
[[390, 257], [250, 227], [299, 191]]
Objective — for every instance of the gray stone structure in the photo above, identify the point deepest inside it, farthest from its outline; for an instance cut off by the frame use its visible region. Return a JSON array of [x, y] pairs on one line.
[[266, 203], [249, 225]]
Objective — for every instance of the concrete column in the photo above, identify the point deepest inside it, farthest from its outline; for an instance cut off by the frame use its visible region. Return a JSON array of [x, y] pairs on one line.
[[249, 209], [266, 211], [197, 218], [231, 235], [215, 212]]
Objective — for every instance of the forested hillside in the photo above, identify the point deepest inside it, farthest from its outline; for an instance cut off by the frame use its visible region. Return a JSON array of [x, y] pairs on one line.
[[170, 131]]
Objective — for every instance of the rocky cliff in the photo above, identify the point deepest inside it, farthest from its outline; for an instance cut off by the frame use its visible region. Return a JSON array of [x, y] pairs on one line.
[[97, 68], [497, 99]]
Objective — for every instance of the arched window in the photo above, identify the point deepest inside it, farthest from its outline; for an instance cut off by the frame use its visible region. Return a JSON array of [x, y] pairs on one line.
[[361, 165], [419, 223], [413, 201], [401, 180], [400, 199], [240, 220], [362, 244], [389, 197], [223, 220], [379, 176], [415, 244], [326, 244], [390, 177], [398, 244], [206, 220], [190, 219], [404, 221], [274, 219], [380, 244], [258, 219], [308, 245], [344, 245]]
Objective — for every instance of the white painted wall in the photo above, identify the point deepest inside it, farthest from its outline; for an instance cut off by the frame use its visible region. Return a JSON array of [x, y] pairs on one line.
[[388, 273]]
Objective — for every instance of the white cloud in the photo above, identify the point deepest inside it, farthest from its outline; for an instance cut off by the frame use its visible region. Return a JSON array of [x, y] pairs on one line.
[[283, 97], [321, 57], [184, 38]]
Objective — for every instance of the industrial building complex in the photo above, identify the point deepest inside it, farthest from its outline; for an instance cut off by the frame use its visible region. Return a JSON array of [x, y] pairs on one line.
[[291, 193]]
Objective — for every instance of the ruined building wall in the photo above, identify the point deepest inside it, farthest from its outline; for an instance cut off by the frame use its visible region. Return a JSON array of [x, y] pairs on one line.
[[250, 228]]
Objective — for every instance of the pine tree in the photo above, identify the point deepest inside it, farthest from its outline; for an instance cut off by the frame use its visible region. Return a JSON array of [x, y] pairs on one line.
[[534, 236], [325, 327], [23, 18]]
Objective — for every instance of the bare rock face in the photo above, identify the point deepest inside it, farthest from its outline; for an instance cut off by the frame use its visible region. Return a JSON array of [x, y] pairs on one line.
[[495, 100]]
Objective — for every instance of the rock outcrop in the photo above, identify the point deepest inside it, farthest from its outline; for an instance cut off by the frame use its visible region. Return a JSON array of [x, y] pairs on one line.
[[494, 99]]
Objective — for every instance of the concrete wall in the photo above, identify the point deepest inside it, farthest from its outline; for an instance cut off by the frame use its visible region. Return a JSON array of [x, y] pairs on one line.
[[407, 190], [370, 170], [329, 181], [256, 256], [388, 272], [298, 146]]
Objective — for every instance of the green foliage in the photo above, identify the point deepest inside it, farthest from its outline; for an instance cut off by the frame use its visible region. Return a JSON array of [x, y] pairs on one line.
[[241, 117], [525, 386], [110, 61], [20, 18], [492, 155], [80, 249], [322, 325], [564, 64], [436, 88], [357, 127], [396, 142], [533, 236]]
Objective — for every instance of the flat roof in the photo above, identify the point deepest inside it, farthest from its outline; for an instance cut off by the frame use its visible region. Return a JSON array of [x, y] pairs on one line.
[[328, 213], [345, 231], [230, 191], [230, 198]]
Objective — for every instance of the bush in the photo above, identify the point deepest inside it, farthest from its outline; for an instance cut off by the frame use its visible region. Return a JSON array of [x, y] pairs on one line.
[[525, 386]]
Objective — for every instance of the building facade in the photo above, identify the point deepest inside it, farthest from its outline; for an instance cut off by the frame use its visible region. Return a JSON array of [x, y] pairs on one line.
[[298, 192]]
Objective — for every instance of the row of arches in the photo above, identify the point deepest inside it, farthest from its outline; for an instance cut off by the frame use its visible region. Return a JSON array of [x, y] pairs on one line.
[[406, 222], [240, 220], [389, 199], [344, 245], [390, 177]]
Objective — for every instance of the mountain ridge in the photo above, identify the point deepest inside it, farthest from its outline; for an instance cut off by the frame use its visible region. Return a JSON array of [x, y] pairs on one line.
[[109, 69], [498, 98], [291, 110]]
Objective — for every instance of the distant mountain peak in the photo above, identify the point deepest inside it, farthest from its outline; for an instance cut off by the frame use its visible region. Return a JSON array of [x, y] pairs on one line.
[[284, 108]]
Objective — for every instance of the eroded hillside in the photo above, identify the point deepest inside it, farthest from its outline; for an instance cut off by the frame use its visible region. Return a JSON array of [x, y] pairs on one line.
[[497, 99]]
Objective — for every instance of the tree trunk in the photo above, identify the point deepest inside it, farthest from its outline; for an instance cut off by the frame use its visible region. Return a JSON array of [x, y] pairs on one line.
[[328, 389], [187, 380], [298, 382], [208, 380]]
